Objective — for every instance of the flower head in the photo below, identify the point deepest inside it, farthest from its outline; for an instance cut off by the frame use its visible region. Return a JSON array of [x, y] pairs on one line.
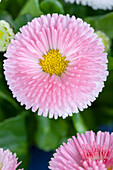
[[57, 65], [8, 161], [105, 40], [87, 151], [6, 34], [95, 4]]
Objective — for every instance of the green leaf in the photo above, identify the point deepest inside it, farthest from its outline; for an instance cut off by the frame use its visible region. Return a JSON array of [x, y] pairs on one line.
[[2, 116], [9, 99], [4, 15], [50, 6], [79, 123], [50, 132], [31, 7], [31, 123], [110, 63], [89, 118], [105, 98], [105, 110], [3, 5], [13, 135], [5, 94], [77, 10], [22, 20], [103, 23], [21, 2]]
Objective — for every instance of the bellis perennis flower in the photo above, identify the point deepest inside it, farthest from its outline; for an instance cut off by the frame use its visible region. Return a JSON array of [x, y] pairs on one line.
[[95, 4], [6, 34], [8, 161], [57, 65], [88, 151]]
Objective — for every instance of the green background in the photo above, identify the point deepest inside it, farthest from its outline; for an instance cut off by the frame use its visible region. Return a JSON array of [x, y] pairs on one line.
[[21, 129]]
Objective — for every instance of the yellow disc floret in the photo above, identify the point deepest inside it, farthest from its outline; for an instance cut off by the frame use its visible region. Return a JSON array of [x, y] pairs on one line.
[[54, 63], [110, 168], [1, 165], [1, 34]]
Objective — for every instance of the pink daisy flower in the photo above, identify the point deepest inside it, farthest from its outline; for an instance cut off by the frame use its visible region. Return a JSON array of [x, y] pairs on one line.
[[56, 65], [8, 161], [87, 151]]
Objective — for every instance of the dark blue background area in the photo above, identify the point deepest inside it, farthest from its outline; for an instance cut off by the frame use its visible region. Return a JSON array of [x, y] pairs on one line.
[[39, 159], [108, 128]]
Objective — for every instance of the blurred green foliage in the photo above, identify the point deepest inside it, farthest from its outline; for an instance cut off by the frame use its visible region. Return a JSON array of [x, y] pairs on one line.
[[20, 129], [22, 20], [50, 6], [48, 131], [31, 7], [13, 136], [103, 23]]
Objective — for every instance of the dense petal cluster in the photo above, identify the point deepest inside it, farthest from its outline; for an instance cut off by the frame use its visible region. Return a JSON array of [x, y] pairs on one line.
[[87, 151], [6, 34], [8, 161], [56, 65], [95, 4]]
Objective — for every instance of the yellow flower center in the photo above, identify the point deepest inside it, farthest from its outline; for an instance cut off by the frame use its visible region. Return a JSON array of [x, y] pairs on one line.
[[54, 63], [110, 168], [1, 34]]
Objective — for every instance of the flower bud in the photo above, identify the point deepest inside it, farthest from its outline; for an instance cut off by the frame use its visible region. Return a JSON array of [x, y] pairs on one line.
[[6, 34], [105, 40]]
